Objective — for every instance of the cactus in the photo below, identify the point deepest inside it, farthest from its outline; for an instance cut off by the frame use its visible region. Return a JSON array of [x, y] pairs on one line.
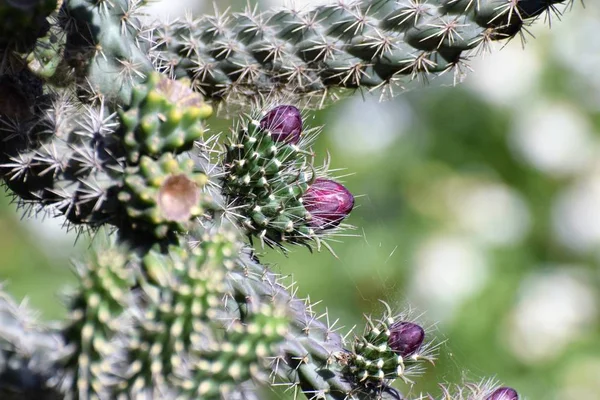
[[268, 180], [346, 44], [106, 126]]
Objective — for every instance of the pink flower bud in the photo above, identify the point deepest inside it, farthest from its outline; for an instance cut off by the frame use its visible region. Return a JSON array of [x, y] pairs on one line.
[[284, 123], [504, 393], [405, 338], [328, 203]]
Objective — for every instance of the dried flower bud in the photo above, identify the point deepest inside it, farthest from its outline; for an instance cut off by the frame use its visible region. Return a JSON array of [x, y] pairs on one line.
[[328, 203], [284, 123], [178, 197], [405, 338], [504, 393]]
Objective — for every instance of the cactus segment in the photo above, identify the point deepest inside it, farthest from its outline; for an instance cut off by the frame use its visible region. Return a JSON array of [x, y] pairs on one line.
[[314, 358], [178, 310], [347, 44], [242, 354], [264, 182], [271, 186], [163, 116], [68, 160], [389, 350], [158, 324], [47, 56], [75, 164]]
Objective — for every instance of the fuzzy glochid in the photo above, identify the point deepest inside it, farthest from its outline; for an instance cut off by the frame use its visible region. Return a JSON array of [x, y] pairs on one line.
[[391, 348]]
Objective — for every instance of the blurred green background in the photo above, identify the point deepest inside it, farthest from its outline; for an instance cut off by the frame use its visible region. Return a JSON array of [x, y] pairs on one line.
[[478, 207]]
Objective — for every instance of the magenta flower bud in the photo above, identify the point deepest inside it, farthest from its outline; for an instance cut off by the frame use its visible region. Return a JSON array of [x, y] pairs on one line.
[[284, 123], [504, 393], [405, 338], [328, 203]]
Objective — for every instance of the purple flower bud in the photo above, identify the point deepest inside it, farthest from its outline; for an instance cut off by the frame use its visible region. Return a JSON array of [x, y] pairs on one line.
[[504, 393], [328, 203], [405, 338], [284, 123]]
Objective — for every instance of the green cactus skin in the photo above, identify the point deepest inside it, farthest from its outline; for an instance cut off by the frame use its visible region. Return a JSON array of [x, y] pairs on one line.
[[74, 163], [178, 344], [346, 44], [161, 325], [47, 56], [163, 116], [71, 163], [58, 153], [308, 358], [239, 356]]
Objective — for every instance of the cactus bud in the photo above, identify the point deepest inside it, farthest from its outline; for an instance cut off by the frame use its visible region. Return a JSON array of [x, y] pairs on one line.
[[406, 338], [328, 203], [504, 393], [284, 123]]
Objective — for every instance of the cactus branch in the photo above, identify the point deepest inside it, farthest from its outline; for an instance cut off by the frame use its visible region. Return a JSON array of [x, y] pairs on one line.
[[374, 44]]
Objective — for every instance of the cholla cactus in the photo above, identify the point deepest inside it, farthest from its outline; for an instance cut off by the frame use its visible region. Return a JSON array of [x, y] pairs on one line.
[[345, 44], [99, 115]]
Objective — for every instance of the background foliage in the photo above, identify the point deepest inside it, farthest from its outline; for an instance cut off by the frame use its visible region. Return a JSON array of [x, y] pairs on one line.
[[480, 206]]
